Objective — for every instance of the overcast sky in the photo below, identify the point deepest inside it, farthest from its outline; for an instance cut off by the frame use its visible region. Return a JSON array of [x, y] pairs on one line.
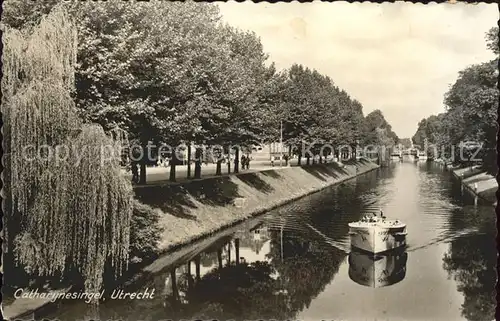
[[399, 58]]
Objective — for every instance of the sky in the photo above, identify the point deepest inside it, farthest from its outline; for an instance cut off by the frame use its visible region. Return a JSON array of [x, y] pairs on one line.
[[400, 58]]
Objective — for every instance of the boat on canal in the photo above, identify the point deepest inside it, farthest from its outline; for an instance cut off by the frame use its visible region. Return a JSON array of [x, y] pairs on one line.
[[376, 234], [422, 156], [396, 155]]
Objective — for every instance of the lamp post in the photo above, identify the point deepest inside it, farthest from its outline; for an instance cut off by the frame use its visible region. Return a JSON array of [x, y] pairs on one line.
[[281, 238], [281, 143]]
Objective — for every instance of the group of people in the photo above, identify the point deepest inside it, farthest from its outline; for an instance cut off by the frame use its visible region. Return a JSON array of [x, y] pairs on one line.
[[245, 162], [165, 162], [373, 217]]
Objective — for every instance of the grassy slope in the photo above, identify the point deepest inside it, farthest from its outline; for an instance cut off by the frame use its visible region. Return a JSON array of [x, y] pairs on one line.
[[190, 210]]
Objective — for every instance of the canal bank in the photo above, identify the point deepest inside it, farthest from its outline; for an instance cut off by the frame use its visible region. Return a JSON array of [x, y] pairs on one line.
[[481, 184], [189, 211], [192, 211], [295, 263]]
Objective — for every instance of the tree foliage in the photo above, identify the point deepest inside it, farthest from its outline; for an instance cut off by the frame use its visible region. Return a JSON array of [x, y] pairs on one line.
[[164, 73], [429, 130], [471, 112], [492, 40], [405, 142], [173, 73], [471, 261], [377, 131], [73, 209], [315, 111], [23, 15]]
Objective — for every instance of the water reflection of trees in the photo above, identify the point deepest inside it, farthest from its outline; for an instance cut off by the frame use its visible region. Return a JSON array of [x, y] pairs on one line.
[[208, 259], [471, 261], [241, 290], [254, 239], [279, 289], [305, 267], [299, 267]]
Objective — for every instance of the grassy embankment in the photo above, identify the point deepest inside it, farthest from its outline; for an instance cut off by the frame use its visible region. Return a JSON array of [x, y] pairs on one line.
[[185, 212]]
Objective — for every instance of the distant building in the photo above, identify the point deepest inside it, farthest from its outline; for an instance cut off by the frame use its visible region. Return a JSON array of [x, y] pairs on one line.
[[265, 151]]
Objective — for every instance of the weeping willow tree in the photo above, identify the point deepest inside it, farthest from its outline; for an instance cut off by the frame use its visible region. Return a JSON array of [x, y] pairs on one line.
[[68, 206]]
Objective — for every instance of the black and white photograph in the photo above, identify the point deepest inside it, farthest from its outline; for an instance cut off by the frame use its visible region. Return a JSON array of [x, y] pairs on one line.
[[241, 161]]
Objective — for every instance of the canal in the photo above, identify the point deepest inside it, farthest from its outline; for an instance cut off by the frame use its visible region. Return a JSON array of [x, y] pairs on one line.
[[295, 262]]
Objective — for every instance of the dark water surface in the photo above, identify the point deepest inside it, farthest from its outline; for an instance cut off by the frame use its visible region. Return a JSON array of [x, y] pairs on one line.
[[295, 262]]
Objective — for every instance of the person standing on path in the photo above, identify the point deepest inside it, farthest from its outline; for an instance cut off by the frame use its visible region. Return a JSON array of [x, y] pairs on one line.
[[243, 161], [228, 160], [247, 158], [235, 162]]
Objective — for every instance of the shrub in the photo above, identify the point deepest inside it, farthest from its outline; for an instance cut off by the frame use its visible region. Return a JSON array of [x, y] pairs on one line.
[[144, 232]]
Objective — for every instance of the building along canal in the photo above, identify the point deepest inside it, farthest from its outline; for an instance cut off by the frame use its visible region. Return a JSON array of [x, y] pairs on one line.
[[295, 262]]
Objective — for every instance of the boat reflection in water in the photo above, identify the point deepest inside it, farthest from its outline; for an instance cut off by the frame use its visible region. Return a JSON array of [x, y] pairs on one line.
[[377, 270]]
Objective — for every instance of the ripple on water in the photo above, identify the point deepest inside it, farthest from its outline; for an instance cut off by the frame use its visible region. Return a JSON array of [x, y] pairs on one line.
[[306, 243]]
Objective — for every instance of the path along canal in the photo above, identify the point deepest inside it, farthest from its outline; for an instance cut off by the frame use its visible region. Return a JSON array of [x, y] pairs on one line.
[[295, 262]]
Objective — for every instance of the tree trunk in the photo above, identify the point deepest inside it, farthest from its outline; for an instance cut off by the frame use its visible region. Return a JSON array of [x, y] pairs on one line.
[[218, 170], [237, 247], [229, 254], [308, 160], [237, 160], [299, 160], [142, 172], [198, 160], [320, 159], [189, 160], [229, 165], [173, 162]]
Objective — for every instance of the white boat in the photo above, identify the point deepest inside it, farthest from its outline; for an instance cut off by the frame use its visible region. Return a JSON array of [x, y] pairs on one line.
[[395, 157], [422, 156], [379, 270], [375, 234]]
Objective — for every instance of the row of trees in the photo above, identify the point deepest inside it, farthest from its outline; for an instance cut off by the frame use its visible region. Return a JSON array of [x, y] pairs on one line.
[[314, 110], [471, 112], [161, 72], [173, 73]]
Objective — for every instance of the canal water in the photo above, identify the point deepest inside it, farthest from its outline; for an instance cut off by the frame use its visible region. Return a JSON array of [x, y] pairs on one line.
[[295, 263]]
